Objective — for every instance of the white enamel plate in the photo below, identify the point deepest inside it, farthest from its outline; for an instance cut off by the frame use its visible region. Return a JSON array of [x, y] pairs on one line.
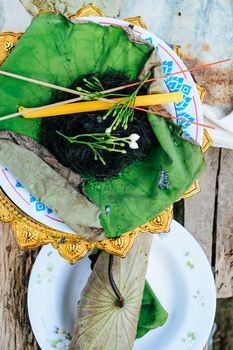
[[178, 272], [190, 109]]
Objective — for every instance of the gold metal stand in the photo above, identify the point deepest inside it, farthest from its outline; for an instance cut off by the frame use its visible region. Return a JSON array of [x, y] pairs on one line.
[[30, 234]]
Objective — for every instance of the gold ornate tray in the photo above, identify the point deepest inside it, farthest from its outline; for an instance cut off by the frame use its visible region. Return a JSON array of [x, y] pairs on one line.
[[31, 234]]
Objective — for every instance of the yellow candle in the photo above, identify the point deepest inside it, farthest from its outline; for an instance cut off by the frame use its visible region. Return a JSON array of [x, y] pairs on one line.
[[80, 107]]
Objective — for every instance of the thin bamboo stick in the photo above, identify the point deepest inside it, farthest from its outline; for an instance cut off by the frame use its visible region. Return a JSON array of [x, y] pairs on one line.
[[35, 81]]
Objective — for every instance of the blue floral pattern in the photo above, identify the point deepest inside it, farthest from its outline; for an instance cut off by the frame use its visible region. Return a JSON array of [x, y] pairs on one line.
[[177, 83], [38, 205], [150, 40]]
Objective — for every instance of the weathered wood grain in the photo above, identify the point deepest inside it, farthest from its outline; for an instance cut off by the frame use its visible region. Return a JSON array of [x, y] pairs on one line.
[[15, 267], [223, 338], [224, 235], [213, 213], [199, 210]]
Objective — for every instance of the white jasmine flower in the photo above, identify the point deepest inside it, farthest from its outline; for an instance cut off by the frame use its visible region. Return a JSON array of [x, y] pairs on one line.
[[134, 137], [133, 145], [108, 131]]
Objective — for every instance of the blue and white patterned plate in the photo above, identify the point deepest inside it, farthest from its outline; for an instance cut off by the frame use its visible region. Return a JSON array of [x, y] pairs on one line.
[[178, 272], [190, 109]]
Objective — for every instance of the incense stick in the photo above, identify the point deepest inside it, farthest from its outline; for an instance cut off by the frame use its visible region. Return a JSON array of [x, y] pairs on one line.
[[31, 110], [172, 117], [75, 92], [35, 81], [48, 85], [202, 66], [39, 82]]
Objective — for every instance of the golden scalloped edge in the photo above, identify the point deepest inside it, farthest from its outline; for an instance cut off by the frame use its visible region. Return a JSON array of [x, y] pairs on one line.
[[118, 246], [201, 91], [138, 21], [8, 40], [30, 234], [87, 11], [206, 142], [160, 223], [195, 188], [123, 244], [177, 49]]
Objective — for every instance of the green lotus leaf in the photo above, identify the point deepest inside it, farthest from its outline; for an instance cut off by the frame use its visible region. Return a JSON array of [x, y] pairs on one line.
[[101, 323]]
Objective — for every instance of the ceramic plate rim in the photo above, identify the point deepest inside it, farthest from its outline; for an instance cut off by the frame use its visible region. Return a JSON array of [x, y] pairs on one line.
[[207, 283], [21, 197]]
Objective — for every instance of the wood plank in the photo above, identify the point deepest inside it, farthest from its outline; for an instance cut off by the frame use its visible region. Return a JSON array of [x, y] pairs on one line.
[[224, 235], [15, 265], [178, 211], [199, 209], [15, 268], [223, 338]]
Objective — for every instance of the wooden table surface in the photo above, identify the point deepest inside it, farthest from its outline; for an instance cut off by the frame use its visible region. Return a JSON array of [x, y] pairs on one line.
[[208, 216]]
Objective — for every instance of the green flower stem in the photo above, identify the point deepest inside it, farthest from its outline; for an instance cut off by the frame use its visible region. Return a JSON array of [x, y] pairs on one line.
[[100, 141], [122, 111], [96, 90]]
